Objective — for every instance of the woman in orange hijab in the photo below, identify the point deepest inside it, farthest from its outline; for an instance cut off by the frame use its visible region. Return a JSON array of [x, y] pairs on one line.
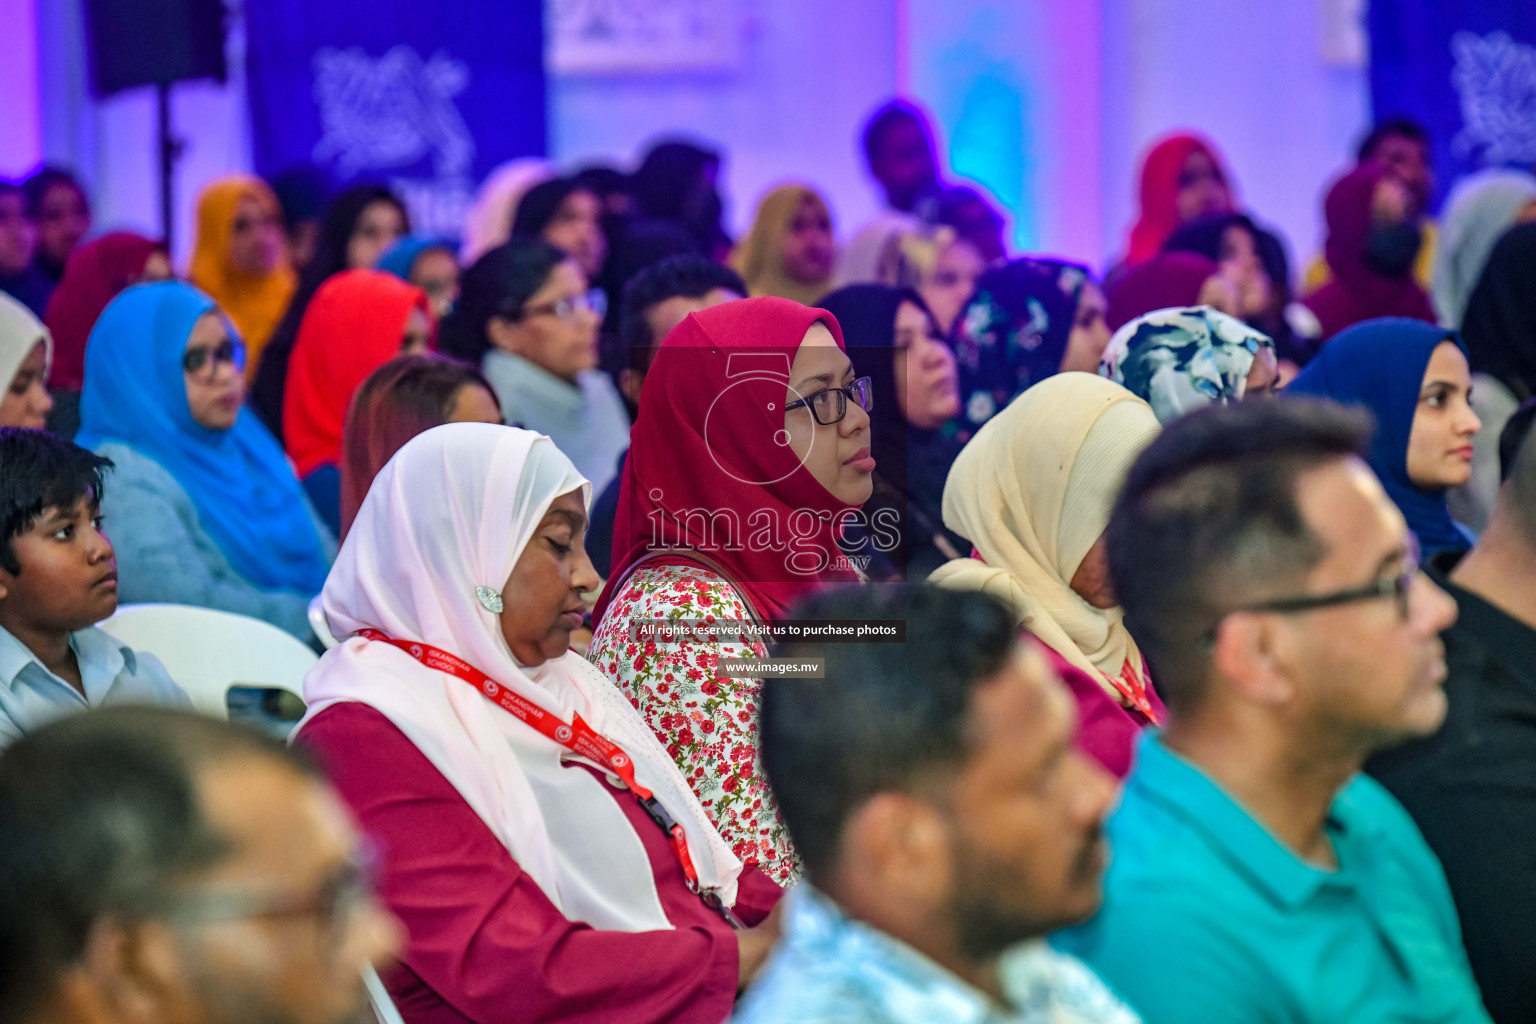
[[241, 258]]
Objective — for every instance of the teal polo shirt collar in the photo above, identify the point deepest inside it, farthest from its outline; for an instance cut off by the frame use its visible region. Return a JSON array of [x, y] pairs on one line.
[[1184, 791]]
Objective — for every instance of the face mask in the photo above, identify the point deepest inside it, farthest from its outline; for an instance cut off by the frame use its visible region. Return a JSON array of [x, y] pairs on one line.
[[1390, 250]]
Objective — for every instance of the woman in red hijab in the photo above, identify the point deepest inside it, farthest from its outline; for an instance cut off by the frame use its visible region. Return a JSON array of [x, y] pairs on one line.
[[93, 277], [1372, 244], [1182, 179], [358, 321], [750, 449]]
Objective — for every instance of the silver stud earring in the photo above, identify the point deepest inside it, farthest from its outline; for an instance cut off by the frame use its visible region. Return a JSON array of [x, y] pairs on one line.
[[489, 599]]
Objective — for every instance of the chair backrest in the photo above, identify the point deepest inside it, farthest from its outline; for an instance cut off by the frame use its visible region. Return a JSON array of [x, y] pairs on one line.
[[208, 651], [319, 623], [378, 997]]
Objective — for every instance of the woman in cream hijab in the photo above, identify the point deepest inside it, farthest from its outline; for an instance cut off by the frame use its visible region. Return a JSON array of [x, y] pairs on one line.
[[527, 874], [1033, 491], [25, 349], [789, 252]]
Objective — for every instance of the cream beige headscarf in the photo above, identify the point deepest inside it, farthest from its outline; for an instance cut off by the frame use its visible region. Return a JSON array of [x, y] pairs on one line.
[[1033, 491]]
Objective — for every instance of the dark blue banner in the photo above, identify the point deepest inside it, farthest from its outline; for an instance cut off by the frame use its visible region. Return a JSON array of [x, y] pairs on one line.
[[427, 97], [1467, 69]]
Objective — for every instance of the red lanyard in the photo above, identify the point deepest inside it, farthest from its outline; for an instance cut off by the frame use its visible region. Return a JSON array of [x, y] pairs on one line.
[[578, 737]]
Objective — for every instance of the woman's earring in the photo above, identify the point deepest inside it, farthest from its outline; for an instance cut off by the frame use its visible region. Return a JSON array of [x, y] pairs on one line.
[[489, 599]]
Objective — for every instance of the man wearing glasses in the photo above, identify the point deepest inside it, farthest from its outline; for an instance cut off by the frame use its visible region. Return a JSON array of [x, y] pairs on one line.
[[1258, 876], [162, 867]]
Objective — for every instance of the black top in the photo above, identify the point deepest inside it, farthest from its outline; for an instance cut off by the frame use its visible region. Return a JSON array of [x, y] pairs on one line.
[[1471, 788]]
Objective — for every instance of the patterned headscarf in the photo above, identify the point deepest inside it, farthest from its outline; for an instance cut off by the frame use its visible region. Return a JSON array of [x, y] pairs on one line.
[[1178, 360]]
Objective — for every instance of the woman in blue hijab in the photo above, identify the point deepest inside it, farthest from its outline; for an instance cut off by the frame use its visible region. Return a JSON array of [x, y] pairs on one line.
[[1414, 378], [430, 264], [203, 507]]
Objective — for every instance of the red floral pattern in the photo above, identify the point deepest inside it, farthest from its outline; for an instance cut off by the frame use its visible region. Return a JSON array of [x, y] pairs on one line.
[[708, 725]]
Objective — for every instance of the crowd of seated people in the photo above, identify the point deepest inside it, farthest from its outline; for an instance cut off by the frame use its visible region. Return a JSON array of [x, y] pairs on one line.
[[1212, 697]]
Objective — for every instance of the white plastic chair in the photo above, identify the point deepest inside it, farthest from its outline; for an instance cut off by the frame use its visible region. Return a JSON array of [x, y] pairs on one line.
[[207, 651], [383, 1007], [319, 623]]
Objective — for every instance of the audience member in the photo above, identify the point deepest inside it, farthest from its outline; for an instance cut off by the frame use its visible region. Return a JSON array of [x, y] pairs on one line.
[[528, 317], [359, 225], [1177, 360], [656, 300], [1413, 377], [956, 269], [1253, 261], [1032, 491], [405, 397], [1182, 179], [751, 448], [567, 215], [359, 320], [58, 206], [1027, 321], [488, 222], [679, 182], [1276, 592], [1471, 787], [899, 154], [789, 250], [517, 792], [915, 394], [19, 275], [1167, 281], [204, 507], [1401, 146], [97, 273], [1500, 332], [898, 250], [1372, 241], [162, 866], [58, 578], [303, 192], [1480, 209], [430, 264], [946, 821], [967, 212], [240, 259], [25, 352]]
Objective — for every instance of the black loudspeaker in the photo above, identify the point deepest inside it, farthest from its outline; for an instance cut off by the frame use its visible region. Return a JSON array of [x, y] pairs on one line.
[[153, 42]]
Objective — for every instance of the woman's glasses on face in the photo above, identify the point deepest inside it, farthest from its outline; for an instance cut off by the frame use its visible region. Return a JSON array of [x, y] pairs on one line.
[[830, 406], [204, 361], [572, 307]]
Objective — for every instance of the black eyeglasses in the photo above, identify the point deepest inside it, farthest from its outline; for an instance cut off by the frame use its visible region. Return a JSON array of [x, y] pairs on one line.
[[830, 406], [226, 351], [1398, 586]]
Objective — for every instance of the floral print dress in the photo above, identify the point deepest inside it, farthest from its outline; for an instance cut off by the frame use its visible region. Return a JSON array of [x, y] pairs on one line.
[[708, 725]]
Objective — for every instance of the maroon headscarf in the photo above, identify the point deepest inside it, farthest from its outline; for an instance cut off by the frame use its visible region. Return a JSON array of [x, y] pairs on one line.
[[1166, 280], [93, 277], [1357, 292], [706, 450]]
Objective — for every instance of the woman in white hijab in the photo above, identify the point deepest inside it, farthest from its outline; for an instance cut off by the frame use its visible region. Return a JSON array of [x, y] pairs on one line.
[[502, 774], [1479, 210], [25, 349], [1033, 491]]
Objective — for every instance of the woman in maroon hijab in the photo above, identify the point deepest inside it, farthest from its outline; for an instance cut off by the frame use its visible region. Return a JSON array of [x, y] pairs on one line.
[[1371, 247], [751, 449], [94, 275]]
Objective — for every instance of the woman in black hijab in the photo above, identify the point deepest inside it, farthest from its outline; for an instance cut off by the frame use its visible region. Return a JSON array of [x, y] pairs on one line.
[[893, 339], [359, 225], [677, 182]]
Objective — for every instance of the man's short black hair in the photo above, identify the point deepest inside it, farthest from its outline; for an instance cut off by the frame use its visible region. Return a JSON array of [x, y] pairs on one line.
[[885, 715], [1392, 128], [684, 275], [1517, 458], [100, 818], [885, 118], [39, 471], [1208, 520]]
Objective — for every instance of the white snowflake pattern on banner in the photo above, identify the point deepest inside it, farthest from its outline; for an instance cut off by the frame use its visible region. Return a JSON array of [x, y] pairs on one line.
[[1495, 78]]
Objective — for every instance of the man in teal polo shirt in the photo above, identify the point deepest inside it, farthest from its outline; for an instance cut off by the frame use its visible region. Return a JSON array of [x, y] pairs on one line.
[[1257, 876]]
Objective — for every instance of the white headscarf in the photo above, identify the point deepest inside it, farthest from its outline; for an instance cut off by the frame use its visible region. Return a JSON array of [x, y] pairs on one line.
[[1033, 491], [1480, 209], [20, 332], [488, 222], [450, 512]]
